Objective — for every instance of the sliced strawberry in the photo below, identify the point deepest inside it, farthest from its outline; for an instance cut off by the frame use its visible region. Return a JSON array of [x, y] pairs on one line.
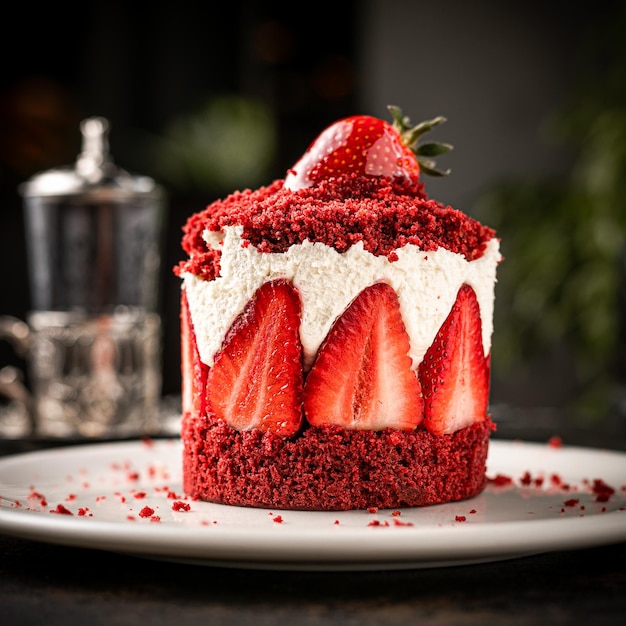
[[455, 372], [362, 377], [193, 371], [367, 146], [256, 377]]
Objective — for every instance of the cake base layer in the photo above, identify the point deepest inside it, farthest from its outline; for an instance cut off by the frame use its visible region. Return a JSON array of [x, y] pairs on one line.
[[331, 468]]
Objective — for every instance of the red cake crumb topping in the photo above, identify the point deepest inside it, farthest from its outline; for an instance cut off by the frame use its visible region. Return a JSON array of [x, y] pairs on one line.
[[34, 495], [383, 213]]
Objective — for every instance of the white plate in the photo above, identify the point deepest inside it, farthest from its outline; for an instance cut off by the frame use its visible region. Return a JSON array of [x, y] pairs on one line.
[[106, 487]]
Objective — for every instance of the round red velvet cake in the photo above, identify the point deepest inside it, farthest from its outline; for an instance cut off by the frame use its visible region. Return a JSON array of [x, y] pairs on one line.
[[335, 332]]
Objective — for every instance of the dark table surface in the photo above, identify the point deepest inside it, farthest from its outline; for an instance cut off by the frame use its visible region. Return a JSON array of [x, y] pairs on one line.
[[42, 583]]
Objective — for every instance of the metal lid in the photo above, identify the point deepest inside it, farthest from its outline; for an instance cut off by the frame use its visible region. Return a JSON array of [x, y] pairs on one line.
[[94, 176]]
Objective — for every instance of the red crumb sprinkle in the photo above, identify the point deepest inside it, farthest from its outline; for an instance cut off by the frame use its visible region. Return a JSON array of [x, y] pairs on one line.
[[376, 522], [473, 512], [146, 512], [372, 509], [336, 522], [61, 510], [84, 512], [139, 495], [397, 522], [146, 441], [133, 476], [572, 502], [396, 513], [278, 519], [557, 481], [526, 479], [155, 518], [602, 491], [460, 518], [555, 442], [500, 480], [180, 506], [172, 495]]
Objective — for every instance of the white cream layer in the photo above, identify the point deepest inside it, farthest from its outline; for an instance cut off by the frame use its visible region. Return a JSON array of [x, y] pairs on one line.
[[426, 284]]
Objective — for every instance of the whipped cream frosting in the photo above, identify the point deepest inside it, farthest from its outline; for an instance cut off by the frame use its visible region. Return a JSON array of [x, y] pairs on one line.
[[426, 284]]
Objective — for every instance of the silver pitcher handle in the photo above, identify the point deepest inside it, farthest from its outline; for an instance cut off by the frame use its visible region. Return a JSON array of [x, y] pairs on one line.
[[18, 334]]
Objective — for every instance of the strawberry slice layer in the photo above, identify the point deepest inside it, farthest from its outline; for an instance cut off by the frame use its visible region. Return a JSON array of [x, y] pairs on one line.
[[454, 373], [362, 377], [256, 378]]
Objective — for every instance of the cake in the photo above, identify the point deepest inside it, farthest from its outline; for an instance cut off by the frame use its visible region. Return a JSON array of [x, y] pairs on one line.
[[336, 333]]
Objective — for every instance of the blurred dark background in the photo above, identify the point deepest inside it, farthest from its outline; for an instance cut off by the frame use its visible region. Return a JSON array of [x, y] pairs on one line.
[[209, 97]]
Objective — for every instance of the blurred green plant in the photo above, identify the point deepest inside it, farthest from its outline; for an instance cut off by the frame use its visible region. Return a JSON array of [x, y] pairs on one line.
[[229, 143], [564, 240]]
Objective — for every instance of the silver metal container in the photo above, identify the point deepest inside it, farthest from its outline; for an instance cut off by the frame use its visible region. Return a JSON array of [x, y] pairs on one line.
[[93, 336]]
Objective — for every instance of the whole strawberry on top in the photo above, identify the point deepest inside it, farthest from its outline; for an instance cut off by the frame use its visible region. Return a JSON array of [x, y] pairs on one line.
[[365, 145]]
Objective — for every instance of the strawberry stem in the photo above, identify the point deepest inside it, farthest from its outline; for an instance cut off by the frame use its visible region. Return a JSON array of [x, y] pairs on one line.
[[410, 136]]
